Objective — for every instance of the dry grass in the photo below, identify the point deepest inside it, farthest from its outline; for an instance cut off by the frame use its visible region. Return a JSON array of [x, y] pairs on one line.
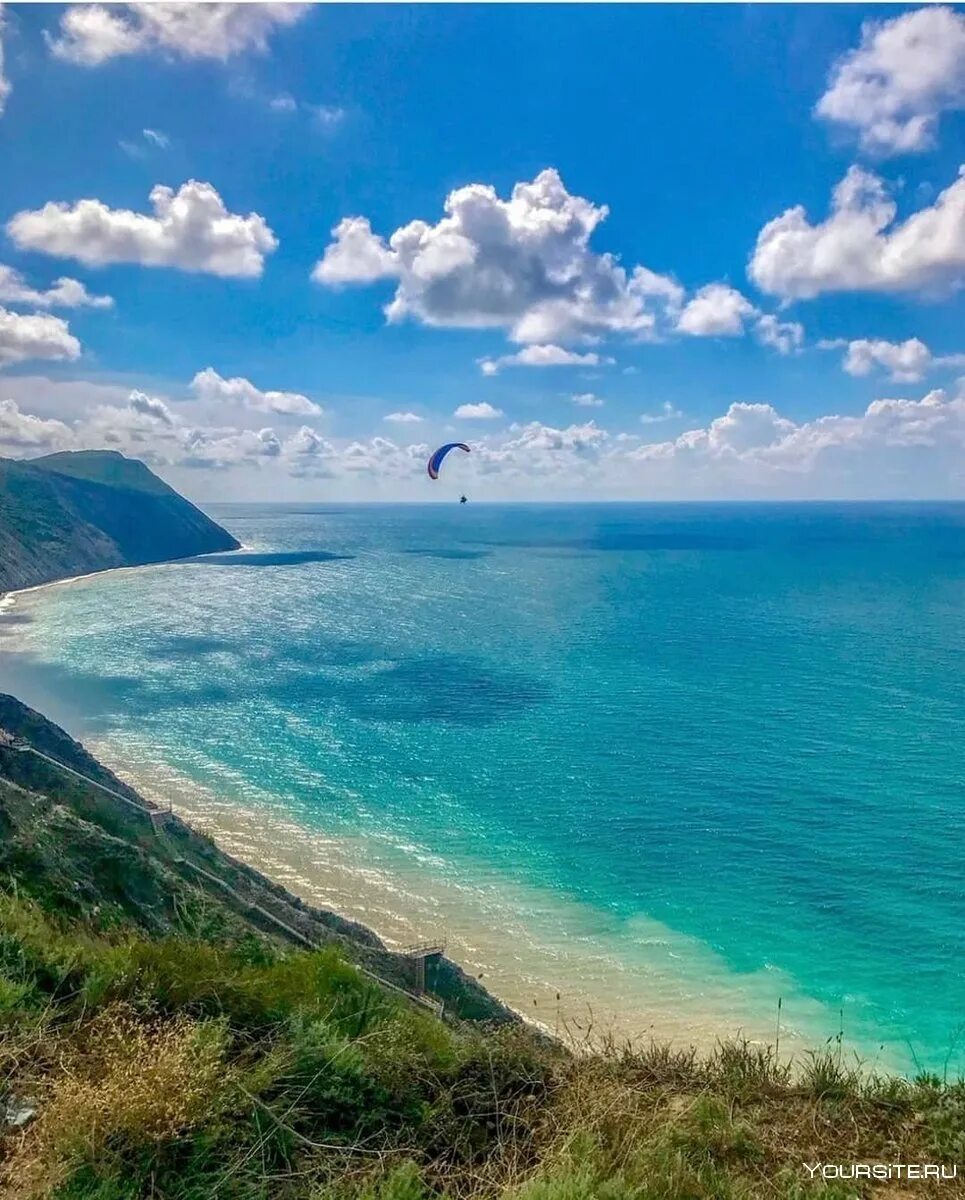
[[126, 1079], [180, 1070]]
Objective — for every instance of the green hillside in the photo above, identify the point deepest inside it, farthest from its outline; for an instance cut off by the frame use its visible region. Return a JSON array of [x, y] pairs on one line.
[[73, 513]]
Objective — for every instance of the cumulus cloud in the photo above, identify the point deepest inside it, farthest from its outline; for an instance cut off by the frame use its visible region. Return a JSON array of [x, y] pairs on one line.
[[715, 311], [5, 87], [542, 456], [718, 310], [189, 229], [92, 34], [20, 431], [209, 385], [356, 255], [542, 356], [893, 88], [905, 362], [786, 337], [25, 336], [151, 406], [402, 418], [894, 447], [524, 265], [861, 247], [62, 293], [586, 400], [477, 412]]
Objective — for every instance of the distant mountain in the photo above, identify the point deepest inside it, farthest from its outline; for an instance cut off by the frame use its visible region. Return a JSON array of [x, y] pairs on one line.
[[89, 510]]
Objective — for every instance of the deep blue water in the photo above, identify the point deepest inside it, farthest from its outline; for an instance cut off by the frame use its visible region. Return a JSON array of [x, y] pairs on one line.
[[742, 721]]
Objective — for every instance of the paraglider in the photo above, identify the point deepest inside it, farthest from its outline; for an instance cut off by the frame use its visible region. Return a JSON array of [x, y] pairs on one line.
[[435, 459]]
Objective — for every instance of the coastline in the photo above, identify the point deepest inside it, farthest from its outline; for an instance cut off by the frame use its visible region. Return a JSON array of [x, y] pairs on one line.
[[9, 598], [540, 954], [545, 961]]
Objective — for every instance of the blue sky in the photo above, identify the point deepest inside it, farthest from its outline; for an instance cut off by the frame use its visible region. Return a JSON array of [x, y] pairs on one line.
[[693, 127]]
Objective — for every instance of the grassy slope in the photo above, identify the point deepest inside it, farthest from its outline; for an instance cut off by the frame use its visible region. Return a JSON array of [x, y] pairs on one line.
[[69, 514], [172, 1048]]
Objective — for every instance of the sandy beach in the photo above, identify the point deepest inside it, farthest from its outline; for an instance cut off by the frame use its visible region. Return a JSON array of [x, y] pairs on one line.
[[541, 955]]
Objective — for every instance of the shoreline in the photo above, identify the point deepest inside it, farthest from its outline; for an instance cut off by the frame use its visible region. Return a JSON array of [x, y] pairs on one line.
[[544, 955], [568, 983], [9, 598]]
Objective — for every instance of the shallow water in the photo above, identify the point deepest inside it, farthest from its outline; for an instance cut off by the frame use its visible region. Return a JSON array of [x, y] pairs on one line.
[[672, 760]]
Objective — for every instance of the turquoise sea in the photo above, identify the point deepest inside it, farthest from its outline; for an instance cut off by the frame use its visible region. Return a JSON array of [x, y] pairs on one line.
[[671, 761]]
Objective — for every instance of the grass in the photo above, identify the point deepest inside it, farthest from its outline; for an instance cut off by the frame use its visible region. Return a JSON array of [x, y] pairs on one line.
[[189, 1067]]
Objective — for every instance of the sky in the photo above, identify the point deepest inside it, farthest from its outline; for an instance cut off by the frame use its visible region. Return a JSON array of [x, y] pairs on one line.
[[281, 252]]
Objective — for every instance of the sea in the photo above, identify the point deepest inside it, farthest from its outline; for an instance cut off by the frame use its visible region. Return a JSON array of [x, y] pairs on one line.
[[684, 771]]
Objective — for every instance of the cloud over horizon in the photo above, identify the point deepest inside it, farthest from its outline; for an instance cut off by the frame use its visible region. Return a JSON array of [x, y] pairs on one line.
[[895, 446]]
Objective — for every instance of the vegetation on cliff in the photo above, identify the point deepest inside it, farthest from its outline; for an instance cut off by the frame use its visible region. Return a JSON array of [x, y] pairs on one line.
[[159, 1039], [73, 513]]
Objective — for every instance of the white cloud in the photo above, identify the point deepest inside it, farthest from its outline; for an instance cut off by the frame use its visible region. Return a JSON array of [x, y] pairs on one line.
[[542, 356], [382, 460], [62, 293], [893, 88], [667, 413], [307, 454], [541, 457], [25, 336], [151, 140], [323, 117], [190, 229], [218, 449], [895, 447], [586, 400], [786, 337], [860, 247], [5, 87], [23, 431], [355, 256], [209, 385], [905, 362], [523, 264], [477, 412], [402, 418], [715, 311], [151, 406], [92, 34]]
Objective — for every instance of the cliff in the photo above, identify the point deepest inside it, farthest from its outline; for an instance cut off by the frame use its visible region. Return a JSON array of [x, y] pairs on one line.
[[90, 510]]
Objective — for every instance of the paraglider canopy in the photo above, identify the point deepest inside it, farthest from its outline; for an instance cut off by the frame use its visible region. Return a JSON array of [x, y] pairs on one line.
[[435, 459]]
